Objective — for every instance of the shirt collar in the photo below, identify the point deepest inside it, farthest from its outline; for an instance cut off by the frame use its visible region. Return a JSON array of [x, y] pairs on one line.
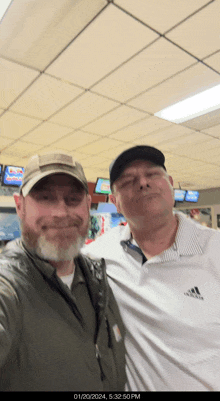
[[186, 240]]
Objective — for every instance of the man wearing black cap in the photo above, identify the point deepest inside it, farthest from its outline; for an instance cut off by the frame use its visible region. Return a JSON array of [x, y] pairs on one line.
[[164, 271], [60, 328]]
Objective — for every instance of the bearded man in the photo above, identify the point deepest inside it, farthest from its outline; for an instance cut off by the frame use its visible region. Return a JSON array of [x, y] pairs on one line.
[[60, 329]]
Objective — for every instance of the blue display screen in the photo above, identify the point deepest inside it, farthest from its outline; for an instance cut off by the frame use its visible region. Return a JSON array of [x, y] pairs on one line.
[[102, 186], [13, 176], [179, 195], [192, 196]]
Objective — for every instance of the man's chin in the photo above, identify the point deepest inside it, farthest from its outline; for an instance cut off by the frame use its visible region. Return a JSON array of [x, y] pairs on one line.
[[54, 251]]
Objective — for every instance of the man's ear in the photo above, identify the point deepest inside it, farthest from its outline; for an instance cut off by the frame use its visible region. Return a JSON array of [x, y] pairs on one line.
[[18, 203], [89, 201], [171, 180], [115, 202]]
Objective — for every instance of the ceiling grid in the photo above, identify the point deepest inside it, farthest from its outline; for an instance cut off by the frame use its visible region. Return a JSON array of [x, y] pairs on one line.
[[87, 77]]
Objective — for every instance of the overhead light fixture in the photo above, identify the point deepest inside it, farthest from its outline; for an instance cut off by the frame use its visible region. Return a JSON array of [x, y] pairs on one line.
[[4, 4], [192, 107]]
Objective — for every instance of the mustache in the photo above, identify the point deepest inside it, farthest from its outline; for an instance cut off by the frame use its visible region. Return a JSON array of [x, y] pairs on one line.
[[60, 223]]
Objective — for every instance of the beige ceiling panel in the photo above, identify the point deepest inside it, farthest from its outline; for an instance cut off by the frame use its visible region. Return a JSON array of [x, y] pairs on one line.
[[97, 147], [22, 149], [214, 61], [34, 32], [45, 97], [111, 154], [75, 140], [158, 62], [46, 134], [170, 133], [194, 151], [214, 131], [159, 14], [115, 119], [195, 144], [14, 78], [188, 83], [92, 174], [95, 161], [14, 126], [140, 129], [203, 122], [213, 156], [107, 42], [200, 34], [4, 142], [11, 160], [83, 110]]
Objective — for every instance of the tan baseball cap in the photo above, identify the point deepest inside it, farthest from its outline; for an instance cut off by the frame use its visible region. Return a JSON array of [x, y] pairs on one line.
[[40, 166]]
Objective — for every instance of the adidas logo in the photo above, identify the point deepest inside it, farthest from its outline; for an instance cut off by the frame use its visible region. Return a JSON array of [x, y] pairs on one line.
[[194, 292]]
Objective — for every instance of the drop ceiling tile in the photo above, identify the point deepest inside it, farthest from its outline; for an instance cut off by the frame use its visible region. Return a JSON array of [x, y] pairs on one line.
[[140, 129], [46, 134], [195, 151], [11, 160], [45, 97], [203, 122], [13, 125], [214, 61], [164, 134], [92, 174], [157, 13], [94, 161], [14, 78], [111, 154], [158, 62], [75, 140], [193, 146], [107, 42], [83, 110], [214, 131], [97, 147], [212, 155], [187, 83], [35, 44], [199, 34], [4, 142], [22, 149], [114, 120]]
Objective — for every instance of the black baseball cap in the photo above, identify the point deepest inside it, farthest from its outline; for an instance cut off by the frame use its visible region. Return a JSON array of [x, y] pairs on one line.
[[144, 152]]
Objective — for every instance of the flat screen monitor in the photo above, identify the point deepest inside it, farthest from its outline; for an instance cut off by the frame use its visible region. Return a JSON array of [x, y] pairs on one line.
[[192, 196], [179, 195], [102, 186], [12, 176], [1, 169]]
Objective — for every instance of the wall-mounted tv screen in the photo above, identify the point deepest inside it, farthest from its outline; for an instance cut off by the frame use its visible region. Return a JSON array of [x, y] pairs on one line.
[[0, 169], [192, 196], [102, 186], [179, 195], [12, 176]]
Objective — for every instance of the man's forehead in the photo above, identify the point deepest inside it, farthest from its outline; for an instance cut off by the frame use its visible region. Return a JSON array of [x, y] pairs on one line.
[[58, 180], [138, 163]]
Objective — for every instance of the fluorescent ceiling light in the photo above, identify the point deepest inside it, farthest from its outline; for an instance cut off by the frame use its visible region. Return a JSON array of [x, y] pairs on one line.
[[4, 4], [194, 106]]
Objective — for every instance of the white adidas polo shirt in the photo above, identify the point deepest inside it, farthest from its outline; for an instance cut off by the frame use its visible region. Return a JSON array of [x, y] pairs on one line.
[[170, 306]]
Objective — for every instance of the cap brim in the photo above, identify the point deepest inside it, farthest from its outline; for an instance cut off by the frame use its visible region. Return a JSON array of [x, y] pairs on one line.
[[26, 188]]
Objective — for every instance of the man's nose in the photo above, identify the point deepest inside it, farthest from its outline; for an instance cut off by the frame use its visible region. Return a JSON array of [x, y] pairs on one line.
[[60, 208], [143, 182]]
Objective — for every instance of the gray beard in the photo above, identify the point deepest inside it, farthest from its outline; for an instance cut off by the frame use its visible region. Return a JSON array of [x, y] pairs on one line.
[[48, 251]]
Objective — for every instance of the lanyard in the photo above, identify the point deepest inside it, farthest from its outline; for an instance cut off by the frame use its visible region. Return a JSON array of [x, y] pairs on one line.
[[136, 249]]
